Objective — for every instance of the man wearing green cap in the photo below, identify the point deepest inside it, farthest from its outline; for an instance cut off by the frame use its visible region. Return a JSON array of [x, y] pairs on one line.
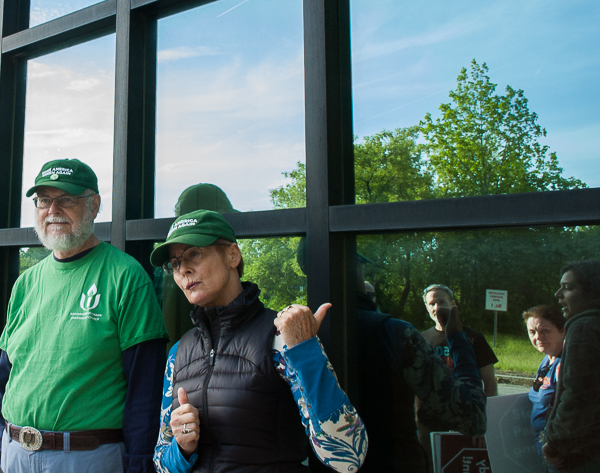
[[84, 342], [235, 383]]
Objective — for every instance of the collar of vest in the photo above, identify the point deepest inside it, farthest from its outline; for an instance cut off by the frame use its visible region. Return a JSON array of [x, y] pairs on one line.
[[233, 316]]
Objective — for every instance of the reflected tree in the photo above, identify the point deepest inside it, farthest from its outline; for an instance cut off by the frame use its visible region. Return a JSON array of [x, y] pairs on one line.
[[485, 143]]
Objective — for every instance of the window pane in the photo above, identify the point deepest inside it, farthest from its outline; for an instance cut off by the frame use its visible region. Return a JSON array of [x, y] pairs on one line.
[[406, 58], [230, 101], [525, 262], [46, 10], [29, 257], [392, 274], [70, 114]]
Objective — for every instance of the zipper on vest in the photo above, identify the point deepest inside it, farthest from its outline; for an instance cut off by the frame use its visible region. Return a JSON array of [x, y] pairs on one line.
[[211, 368]]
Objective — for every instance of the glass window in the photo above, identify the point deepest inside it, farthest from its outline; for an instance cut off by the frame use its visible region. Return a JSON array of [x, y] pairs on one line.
[[525, 262], [474, 98], [29, 257], [46, 10], [394, 270], [70, 114], [230, 101]]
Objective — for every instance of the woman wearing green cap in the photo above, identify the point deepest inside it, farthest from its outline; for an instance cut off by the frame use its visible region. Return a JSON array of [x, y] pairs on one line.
[[234, 383]]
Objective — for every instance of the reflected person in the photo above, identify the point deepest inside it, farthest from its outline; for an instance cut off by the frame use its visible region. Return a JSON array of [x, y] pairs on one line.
[[573, 428], [176, 307], [395, 364], [234, 383], [545, 327], [437, 297]]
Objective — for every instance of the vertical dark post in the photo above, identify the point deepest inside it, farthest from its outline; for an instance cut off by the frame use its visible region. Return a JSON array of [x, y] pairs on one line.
[[14, 17], [329, 171], [122, 72], [141, 128], [135, 99]]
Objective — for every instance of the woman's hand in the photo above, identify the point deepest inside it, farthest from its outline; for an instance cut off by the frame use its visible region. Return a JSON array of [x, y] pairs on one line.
[[296, 323], [185, 425]]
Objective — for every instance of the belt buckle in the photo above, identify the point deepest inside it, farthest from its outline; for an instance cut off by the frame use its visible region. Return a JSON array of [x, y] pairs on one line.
[[30, 438]]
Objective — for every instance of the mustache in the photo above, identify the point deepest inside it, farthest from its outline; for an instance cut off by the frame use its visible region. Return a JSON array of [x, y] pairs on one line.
[[53, 219]]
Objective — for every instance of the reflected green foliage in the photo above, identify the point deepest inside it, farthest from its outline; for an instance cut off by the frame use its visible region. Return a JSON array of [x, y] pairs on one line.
[[482, 144], [389, 167], [31, 256], [485, 143], [271, 263], [525, 262]]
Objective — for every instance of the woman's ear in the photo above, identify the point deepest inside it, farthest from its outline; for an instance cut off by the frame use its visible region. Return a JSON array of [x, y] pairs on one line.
[[235, 255]]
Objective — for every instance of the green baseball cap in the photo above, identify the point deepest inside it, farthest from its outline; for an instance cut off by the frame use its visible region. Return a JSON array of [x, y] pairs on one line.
[[199, 228], [69, 175]]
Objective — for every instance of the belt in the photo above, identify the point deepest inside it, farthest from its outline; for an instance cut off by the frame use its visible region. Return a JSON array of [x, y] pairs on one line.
[[33, 439]]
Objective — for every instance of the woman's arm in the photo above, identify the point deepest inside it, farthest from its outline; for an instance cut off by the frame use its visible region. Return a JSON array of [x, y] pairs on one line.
[[336, 432], [167, 456]]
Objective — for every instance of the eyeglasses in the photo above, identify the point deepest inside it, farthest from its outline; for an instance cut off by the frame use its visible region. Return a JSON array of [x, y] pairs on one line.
[[537, 384], [64, 201], [190, 256]]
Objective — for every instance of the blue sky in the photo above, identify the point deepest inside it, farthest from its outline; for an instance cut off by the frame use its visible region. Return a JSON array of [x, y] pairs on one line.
[[230, 83]]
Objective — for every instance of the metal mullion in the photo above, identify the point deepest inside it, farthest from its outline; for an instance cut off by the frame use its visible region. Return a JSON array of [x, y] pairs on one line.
[[19, 237], [163, 8], [13, 17], [556, 208], [74, 28], [121, 134], [329, 171], [271, 223], [141, 125]]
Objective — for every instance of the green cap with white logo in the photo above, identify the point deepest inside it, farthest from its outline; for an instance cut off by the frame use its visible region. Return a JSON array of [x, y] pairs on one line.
[[199, 228], [69, 175]]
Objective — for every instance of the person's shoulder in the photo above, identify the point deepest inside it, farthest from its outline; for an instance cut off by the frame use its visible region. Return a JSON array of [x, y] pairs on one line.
[[473, 334], [117, 259], [32, 274]]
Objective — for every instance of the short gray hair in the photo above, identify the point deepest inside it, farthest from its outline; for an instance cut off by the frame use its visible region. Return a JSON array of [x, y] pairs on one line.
[[437, 287]]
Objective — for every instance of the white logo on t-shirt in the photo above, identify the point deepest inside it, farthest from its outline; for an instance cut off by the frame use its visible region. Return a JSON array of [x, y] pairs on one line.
[[89, 303]]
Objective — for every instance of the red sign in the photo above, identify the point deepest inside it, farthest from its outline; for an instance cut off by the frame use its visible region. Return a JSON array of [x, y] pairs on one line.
[[456, 454]]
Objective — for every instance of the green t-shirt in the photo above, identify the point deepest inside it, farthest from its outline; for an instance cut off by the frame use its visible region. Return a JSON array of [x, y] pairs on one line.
[[66, 327]]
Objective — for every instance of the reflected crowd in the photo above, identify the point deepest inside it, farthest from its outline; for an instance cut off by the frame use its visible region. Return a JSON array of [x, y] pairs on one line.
[[248, 389]]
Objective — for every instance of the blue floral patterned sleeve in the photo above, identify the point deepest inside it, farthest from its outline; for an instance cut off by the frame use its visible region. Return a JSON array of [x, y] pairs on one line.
[[167, 456], [335, 430]]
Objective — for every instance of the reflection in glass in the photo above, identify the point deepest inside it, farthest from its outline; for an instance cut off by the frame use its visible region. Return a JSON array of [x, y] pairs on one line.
[[46, 10], [29, 257], [270, 263], [393, 271], [70, 114], [409, 59], [525, 262], [230, 100]]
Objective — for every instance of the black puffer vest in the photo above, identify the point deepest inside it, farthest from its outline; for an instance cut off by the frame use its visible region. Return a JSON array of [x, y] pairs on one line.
[[249, 421]]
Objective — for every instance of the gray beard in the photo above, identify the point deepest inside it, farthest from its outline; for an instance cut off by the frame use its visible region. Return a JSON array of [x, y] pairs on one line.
[[68, 241]]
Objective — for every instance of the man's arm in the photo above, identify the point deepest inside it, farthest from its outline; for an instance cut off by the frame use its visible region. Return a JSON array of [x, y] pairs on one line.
[[455, 397], [5, 368], [143, 366], [488, 376]]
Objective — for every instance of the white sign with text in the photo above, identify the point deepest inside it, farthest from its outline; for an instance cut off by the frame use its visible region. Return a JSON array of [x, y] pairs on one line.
[[496, 300]]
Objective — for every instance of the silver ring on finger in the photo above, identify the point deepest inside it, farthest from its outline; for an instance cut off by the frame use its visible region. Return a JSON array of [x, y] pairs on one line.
[[186, 430]]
